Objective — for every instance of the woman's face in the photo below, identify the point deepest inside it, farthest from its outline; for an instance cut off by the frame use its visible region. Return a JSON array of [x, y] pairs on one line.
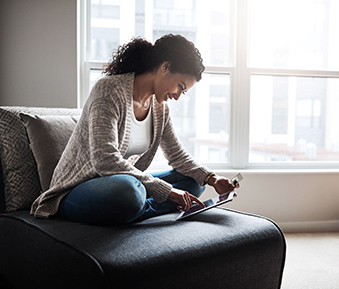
[[169, 85]]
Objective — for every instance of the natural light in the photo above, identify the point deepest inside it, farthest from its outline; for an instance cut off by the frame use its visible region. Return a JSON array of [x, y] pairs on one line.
[[287, 61]]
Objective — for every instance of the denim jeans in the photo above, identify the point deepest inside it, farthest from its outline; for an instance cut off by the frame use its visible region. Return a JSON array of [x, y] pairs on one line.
[[121, 199]]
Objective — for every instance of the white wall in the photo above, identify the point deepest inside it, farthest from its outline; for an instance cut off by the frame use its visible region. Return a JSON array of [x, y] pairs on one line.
[[299, 201], [38, 53]]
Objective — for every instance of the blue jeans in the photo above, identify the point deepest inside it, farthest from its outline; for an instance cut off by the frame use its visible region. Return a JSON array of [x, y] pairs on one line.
[[121, 199]]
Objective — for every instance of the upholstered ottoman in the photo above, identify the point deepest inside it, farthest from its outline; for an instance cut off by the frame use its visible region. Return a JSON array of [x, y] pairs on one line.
[[216, 249]]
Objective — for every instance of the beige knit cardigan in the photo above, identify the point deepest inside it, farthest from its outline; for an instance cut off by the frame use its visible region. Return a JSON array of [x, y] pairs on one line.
[[101, 139]]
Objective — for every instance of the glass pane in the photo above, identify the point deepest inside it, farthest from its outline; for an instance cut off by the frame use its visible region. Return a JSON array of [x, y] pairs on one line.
[[206, 23], [294, 119], [202, 118], [94, 76], [296, 34], [104, 30]]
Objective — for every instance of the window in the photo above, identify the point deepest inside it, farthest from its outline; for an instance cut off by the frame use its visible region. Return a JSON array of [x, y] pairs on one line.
[[294, 81], [293, 119], [270, 93]]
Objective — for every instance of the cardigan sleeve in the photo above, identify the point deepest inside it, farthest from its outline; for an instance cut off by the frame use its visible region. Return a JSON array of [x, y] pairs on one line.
[[178, 157]]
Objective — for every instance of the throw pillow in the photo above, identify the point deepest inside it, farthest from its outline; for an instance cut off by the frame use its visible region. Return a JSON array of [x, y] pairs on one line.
[[20, 176], [48, 136], [21, 184]]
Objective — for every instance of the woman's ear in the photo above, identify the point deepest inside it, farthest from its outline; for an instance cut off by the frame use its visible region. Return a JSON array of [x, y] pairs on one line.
[[165, 66]]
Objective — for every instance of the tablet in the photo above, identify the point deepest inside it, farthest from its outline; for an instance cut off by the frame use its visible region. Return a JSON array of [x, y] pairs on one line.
[[211, 203]]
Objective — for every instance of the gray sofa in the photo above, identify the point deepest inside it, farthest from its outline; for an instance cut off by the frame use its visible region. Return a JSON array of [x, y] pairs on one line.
[[219, 248]]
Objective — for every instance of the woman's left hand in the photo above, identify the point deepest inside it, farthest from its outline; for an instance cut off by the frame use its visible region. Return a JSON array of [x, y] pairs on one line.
[[222, 185]]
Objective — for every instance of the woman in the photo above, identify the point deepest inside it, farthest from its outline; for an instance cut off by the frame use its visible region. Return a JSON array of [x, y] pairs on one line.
[[101, 174]]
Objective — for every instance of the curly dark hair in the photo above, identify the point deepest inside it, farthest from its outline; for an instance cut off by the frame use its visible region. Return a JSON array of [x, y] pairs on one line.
[[141, 56]]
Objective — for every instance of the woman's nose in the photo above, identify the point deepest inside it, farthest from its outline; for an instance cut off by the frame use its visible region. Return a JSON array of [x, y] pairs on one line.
[[177, 95]]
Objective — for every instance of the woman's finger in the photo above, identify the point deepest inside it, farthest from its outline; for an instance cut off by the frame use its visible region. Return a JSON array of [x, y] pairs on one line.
[[183, 202], [188, 200], [195, 199]]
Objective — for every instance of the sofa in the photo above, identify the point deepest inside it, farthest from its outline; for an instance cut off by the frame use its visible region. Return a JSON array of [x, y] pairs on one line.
[[219, 248]]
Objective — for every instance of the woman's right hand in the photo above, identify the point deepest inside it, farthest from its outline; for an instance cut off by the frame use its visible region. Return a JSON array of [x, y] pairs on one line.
[[184, 199]]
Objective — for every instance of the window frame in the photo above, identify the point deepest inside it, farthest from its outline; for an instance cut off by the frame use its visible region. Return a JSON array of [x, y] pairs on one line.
[[240, 78]]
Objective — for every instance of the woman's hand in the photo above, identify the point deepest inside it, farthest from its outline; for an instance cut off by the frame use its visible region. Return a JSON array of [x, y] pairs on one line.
[[222, 185], [184, 199]]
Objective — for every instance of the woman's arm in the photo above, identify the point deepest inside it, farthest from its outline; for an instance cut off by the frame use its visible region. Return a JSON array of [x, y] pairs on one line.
[[221, 184], [184, 163]]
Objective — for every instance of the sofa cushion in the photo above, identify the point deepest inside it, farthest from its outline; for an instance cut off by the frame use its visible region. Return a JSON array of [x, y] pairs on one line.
[[48, 136], [20, 174], [2, 193], [215, 249]]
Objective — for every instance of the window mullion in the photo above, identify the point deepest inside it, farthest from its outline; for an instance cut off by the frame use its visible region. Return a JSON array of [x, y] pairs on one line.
[[83, 38], [219, 70], [240, 92], [294, 72], [149, 19]]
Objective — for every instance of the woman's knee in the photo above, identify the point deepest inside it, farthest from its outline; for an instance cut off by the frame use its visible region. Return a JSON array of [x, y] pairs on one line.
[[181, 181], [117, 198], [191, 186], [129, 194], [196, 189]]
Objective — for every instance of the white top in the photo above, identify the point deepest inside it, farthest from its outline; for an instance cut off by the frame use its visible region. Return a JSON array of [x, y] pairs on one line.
[[141, 135]]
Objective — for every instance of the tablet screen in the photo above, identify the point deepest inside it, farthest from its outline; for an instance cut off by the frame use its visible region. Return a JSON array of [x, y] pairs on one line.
[[217, 201]]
